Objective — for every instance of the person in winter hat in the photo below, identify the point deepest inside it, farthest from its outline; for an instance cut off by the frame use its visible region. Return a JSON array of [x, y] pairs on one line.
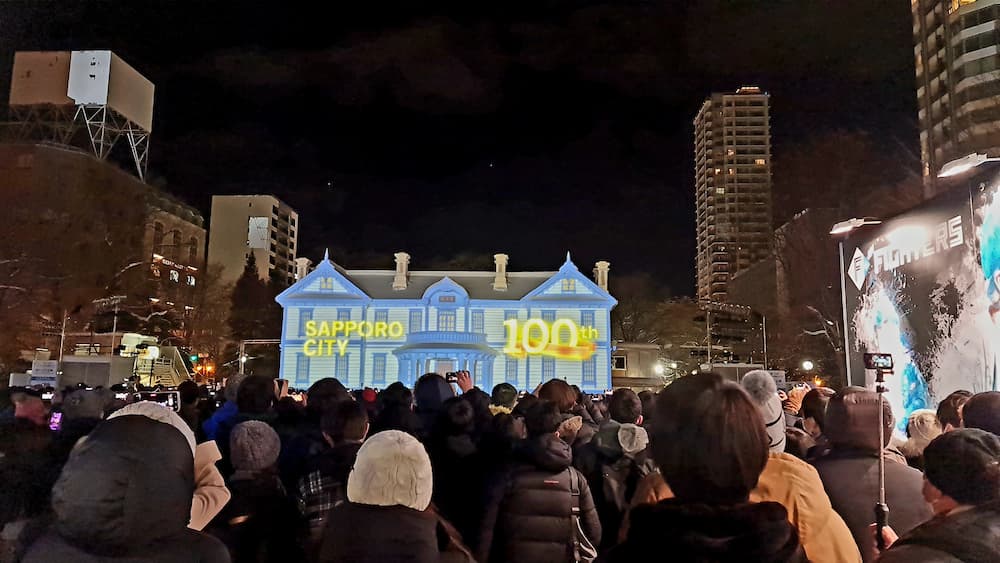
[[126, 495], [760, 385], [387, 518], [261, 522], [922, 427], [962, 484]]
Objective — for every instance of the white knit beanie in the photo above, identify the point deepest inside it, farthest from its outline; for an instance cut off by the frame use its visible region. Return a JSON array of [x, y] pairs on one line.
[[392, 468], [760, 386], [159, 413]]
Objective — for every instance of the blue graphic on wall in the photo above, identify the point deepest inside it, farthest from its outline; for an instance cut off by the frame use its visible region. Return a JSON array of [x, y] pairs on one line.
[[374, 327]]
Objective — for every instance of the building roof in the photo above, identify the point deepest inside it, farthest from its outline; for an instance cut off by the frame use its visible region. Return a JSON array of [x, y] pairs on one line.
[[377, 284]]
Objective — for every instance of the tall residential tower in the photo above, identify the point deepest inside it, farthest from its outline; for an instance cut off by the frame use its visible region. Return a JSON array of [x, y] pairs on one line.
[[958, 81], [732, 186], [261, 224]]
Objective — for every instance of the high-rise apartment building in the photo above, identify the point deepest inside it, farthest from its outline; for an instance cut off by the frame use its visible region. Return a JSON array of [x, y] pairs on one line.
[[732, 186], [958, 81], [261, 224]]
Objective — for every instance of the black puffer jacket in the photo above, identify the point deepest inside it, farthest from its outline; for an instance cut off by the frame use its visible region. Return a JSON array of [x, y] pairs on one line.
[[125, 495], [695, 533], [971, 536], [361, 533], [528, 514]]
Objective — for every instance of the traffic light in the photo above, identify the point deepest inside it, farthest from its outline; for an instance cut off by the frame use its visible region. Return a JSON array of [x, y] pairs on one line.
[[193, 358]]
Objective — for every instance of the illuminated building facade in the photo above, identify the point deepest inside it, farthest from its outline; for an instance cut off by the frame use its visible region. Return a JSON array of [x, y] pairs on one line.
[[958, 81], [374, 327], [732, 187]]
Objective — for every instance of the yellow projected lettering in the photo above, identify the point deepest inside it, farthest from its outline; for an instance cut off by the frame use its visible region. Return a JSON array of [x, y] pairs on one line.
[[562, 339], [328, 338]]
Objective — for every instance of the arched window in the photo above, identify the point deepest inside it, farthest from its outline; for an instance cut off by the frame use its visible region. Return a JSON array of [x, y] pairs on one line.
[[193, 251], [175, 246], [158, 237]]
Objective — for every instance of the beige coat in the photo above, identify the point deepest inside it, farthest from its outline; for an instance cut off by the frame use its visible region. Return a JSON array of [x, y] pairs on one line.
[[210, 493], [795, 485]]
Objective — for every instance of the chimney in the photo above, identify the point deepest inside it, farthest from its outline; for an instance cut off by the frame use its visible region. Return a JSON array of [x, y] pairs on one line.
[[601, 274], [500, 280], [402, 271]]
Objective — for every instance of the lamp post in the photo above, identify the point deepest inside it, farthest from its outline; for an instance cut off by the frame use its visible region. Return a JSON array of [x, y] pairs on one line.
[[964, 164], [841, 230]]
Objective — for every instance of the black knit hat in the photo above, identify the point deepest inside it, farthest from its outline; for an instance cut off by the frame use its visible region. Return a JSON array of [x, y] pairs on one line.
[[965, 465]]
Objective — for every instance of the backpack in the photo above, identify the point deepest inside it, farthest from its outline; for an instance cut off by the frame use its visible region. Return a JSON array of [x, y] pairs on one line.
[[619, 480]]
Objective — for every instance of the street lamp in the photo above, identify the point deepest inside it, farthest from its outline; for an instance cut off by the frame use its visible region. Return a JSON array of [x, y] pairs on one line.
[[808, 365], [842, 229], [964, 164]]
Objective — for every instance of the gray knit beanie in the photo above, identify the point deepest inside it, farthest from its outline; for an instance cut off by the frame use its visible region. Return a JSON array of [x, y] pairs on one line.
[[254, 446], [760, 386]]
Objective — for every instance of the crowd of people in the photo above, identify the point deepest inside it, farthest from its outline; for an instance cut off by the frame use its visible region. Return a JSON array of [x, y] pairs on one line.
[[706, 470]]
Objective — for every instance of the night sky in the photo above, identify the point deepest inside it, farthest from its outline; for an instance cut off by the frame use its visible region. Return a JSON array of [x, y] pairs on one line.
[[527, 127]]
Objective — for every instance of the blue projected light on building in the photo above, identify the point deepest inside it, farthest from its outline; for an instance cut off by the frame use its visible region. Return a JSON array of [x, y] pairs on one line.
[[374, 327]]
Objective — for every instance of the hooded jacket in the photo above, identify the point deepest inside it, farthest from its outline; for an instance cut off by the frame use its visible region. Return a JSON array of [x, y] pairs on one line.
[[125, 495], [529, 511], [795, 485], [614, 462], [970, 536], [758, 532]]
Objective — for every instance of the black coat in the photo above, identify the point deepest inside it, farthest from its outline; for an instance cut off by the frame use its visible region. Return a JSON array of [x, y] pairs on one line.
[[529, 512], [125, 495], [361, 533], [850, 477], [459, 482], [970, 536], [675, 531], [260, 523]]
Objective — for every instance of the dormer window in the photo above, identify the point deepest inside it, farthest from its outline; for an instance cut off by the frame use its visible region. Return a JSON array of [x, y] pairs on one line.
[[569, 286]]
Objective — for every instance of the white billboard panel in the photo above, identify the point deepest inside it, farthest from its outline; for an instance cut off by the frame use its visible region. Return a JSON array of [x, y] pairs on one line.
[[259, 232], [40, 77], [89, 75]]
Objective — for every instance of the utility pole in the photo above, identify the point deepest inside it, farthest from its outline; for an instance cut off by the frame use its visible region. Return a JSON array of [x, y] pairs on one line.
[[62, 337], [708, 335]]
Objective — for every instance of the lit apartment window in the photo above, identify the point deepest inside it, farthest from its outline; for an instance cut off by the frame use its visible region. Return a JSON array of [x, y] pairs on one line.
[[732, 171], [720, 191], [730, 152], [759, 162]]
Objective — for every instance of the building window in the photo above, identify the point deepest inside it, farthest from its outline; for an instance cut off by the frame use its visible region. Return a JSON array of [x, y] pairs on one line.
[[175, 245], [190, 281], [446, 299], [156, 270], [478, 322], [416, 320], [586, 318], [618, 362], [720, 191], [590, 372], [446, 321], [381, 316], [378, 369], [158, 237], [759, 162], [193, 250], [175, 276], [569, 286], [340, 367], [343, 314], [305, 315], [549, 316], [511, 371], [302, 370], [508, 315], [548, 368]]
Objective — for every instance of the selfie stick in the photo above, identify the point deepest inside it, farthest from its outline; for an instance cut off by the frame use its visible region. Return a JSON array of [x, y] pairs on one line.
[[881, 508]]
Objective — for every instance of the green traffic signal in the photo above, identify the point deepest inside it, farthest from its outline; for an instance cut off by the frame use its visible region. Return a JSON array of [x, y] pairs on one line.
[[194, 357]]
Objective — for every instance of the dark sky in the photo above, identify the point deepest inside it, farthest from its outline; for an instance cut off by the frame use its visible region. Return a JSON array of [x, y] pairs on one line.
[[528, 127]]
